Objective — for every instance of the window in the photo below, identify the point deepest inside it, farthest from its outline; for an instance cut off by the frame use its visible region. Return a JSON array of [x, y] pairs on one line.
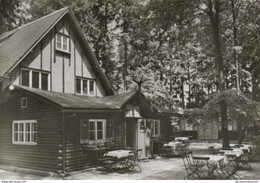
[[156, 127], [85, 86], [45, 81], [62, 42], [25, 77], [132, 111], [25, 132], [97, 129], [23, 102], [35, 79]]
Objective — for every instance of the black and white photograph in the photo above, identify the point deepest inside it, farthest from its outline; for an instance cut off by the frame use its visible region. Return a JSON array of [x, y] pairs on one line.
[[129, 90]]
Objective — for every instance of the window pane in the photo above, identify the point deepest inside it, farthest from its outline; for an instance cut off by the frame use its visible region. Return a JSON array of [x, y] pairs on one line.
[[27, 137], [85, 86], [25, 78], [44, 81], [33, 126], [27, 127], [65, 39], [15, 127], [15, 137], [99, 135], [33, 137], [20, 137], [35, 79], [91, 125], [65, 47], [58, 45], [91, 87], [58, 38], [99, 125], [92, 136], [78, 85], [141, 125], [21, 127]]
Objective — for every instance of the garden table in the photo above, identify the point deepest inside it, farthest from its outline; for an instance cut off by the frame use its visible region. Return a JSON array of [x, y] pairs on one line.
[[121, 161], [212, 159], [119, 153], [173, 144], [235, 152]]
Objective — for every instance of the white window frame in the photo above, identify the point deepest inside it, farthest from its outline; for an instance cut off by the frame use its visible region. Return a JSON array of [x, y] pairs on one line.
[[24, 99], [159, 127], [103, 125], [40, 77], [62, 42], [24, 132], [88, 83]]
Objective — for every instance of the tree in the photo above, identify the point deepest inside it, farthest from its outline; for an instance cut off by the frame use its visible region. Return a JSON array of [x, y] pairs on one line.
[[11, 14]]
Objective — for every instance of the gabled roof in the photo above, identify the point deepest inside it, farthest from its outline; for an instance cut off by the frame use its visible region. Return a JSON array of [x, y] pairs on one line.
[[72, 101], [18, 43]]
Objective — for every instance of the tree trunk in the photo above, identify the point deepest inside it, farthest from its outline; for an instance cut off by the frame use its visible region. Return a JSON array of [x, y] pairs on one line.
[[239, 128], [213, 13]]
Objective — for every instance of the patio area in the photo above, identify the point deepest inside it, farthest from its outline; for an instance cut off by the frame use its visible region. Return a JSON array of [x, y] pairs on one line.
[[152, 169]]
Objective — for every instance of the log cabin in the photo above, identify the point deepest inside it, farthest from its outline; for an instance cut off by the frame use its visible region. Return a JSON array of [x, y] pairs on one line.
[[56, 101]]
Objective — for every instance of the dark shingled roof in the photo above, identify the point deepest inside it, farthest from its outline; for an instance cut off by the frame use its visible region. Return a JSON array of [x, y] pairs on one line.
[[72, 101], [16, 44]]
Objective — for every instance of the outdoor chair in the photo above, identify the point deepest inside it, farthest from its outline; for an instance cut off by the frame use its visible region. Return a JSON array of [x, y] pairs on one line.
[[214, 151], [182, 150], [133, 161], [254, 155], [192, 167], [167, 151], [243, 160], [107, 164]]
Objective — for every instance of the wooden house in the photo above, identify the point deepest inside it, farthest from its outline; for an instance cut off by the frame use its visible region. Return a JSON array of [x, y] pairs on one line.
[[55, 100]]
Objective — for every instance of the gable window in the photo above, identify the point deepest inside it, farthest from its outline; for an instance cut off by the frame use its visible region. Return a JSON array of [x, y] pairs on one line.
[[25, 77], [24, 102], [85, 86], [62, 42], [132, 111], [35, 79], [24, 132], [97, 129], [156, 127]]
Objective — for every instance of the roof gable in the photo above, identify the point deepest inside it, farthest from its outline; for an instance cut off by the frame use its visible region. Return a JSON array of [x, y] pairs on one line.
[[15, 45]]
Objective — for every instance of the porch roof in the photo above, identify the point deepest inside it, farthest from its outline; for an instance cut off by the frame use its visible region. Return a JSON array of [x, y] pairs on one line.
[[72, 101]]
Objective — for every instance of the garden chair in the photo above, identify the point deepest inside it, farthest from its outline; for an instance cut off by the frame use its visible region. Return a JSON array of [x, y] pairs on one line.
[[132, 162], [192, 167], [214, 151], [243, 160], [167, 151], [182, 150], [254, 155]]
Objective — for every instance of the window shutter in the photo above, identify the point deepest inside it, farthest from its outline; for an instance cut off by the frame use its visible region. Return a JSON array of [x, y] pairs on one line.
[[110, 128], [84, 131]]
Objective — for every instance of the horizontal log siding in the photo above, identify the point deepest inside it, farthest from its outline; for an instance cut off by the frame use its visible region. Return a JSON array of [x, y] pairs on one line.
[[47, 154], [77, 157]]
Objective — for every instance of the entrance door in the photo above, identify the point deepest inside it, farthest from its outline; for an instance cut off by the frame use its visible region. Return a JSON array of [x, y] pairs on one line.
[[131, 133], [144, 136]]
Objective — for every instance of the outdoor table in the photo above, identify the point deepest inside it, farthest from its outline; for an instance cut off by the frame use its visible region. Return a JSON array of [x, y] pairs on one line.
[[246, 147], [173, 144], [182, 138], [121, 158], [212, 159], [235, 152], [214, 163], [119, 153]]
